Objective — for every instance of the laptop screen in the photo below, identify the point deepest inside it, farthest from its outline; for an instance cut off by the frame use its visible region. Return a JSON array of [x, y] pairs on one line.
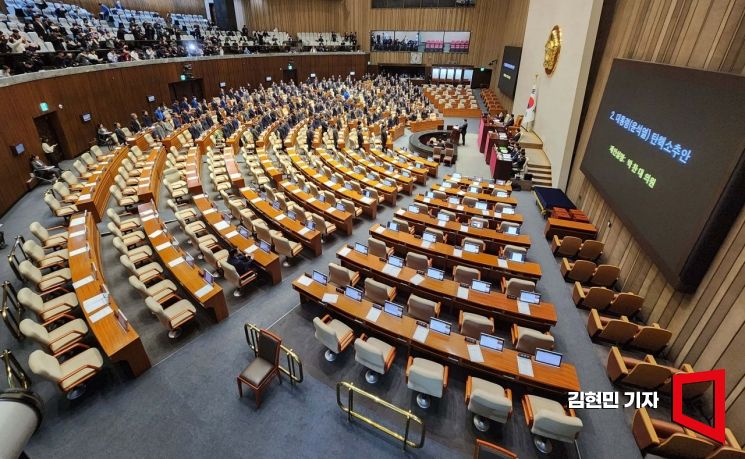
[[548, 357], [353, 293], [480, 205], [429, 194], [360, 248], [530, 297], [491, 342], [440, 326], [393, 309], [474, 189], [454, 201], [470, 248], [243, 231], [320, 277], [508, 210], [517, 256], [393, 226], [443, 217], [435, 273], [502, 194], [481, 286], [208, 277], [291, 215], [477, 224], [413, 209], [395, 261], [263, 245], [511, 230], [429, 237], [340, 206], [311, 225]]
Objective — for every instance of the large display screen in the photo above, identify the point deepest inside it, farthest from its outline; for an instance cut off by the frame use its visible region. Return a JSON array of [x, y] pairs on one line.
[[509, 69], [666, 152]]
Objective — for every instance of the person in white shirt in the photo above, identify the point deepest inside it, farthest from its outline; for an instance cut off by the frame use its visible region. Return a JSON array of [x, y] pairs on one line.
[[49, 150], [134, 56], [112, 57]]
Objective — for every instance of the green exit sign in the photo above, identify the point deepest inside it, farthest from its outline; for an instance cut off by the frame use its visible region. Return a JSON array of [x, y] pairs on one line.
[[482, 69], [183, 77], [44, 106]]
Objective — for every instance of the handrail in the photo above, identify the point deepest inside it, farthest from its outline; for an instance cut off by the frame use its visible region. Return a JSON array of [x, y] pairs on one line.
[[14, 371], [13, 259], [11, 315], [351, 414], [294, 368]]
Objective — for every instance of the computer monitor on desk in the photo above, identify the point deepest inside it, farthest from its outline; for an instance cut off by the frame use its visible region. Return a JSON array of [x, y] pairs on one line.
[[491, 342], [508, 210], [263, 245], [353, 293], [435, 273], [413, 209], [548, 357], [512, 230], [470, 248], [480, 286], [393, 309], [340, 206], [429, 194], [361, 248], [393, 226], [447, 185], [291, 215], [429, 237], [481, 205], [440, 326], [530, 297], [518, 257], [474, 189], [443, 217], [243, 231], [208, 277], [477, 224], [396, 261], [453, 200], [320, 277], [310, 224]]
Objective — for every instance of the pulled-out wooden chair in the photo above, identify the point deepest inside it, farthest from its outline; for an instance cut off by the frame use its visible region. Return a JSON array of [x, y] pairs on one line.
[[259, 373]]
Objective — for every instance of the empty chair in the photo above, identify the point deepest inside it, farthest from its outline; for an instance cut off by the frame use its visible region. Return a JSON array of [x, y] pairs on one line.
[[469, 201], [449, 214], [341, 276], [550, 420], [44, 283], [69, 375], [427, 378], [514, 286], [57, 341], [378, 248], [668, 439], [528, 340], [137, 255], [508, 250], [605, 276], [422, 308], [440, 195], [324, 227], [465, 275], [145, 273], [130, 239], [334, 334], [161, 292], [239, 281], [378, 292], [418, 261], [259, 373], [64, 193], [50, 310], [651, 338], [626, 303], [439, 235], [126, 189], [590, 250], [72, 182], [619, 331], [48, 240], [286, 247], [215, 255], [374, 354], [500, 207], [473, 325], [403, 225], [57, 208], [580, 270], [646, 373], [449, 157], [593, 297], [350, 208], [487, 401], [328, 197], [174, 316], [124, 226], [41, 259], [568, 246], [123, 201], [263, 233]]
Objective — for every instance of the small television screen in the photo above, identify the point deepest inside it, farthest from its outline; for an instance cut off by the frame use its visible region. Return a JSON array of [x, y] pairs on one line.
[[491, 342], [509, 70], [86, 117], [320, 277]]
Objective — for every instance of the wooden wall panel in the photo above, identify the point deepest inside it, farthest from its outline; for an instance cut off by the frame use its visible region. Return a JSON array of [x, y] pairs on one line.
[[161, 6], [492, 23], [110, 95], [708, 325]]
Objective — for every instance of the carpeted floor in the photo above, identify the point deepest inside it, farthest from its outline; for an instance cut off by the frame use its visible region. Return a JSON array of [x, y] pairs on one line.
[[187, 405]]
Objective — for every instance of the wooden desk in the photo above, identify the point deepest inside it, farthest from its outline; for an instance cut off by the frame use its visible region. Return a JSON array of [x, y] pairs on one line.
[[494, 304], [119, 344], [465, 212], [291, 228], [418, 173], [171, 140], [447, 256], [172, 258], [403, 183], [457, 231], [387, 191], [94, 196], [192, 170], [138, 140], [466, 182], [488, 198], [452, 349], [426, 125], [561, 228], [431, 166], [231, 167], [268, 262], [342, 220], [205, 140], [369, 205], [148, 187]]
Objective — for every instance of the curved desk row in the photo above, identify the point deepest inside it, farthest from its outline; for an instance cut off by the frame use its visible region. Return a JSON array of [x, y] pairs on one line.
[[192, 171], [494, 304], [431, 166], [389, 192], [94, 196], [467, 182], [148, 187], [404, 181], [466, 212], [453, 349], [492, 267], [418, 173], [114, 334], [488, 198], [341, 219]]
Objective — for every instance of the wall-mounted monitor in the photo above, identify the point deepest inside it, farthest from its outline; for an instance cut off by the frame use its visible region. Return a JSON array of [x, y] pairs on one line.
[[86, 117], [151, 98], [223, 84], [18, 149], [509, 69], [666, 154]]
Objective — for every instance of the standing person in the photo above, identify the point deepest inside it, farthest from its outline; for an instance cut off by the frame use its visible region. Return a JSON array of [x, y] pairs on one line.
[[50, 151], [463, 129]]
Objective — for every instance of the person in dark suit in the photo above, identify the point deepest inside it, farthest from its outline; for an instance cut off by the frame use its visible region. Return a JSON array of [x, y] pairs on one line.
[[134, 123], [463, 130], [120, 134], [360, 139], [146, 120], [241, 262], [384, 137]]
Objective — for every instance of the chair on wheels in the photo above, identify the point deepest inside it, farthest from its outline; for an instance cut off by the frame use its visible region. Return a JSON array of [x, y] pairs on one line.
[[71, 374], [487, 401], [550, 420], [341, 276], [172, 317], [259, 373], [374, 354], [286, 247], [377, 248], [428, 378], [334, 334]]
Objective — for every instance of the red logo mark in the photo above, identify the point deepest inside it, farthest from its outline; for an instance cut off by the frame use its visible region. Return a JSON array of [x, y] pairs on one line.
[[717, 377]]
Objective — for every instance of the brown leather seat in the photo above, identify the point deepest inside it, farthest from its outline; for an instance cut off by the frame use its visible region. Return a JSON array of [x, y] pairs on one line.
[[667, 439], [646, 373], [580, 270], [565, 247]]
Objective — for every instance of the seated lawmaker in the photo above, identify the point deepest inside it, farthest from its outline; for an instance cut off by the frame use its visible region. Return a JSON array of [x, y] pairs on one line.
[[40, 169], [241, 262]]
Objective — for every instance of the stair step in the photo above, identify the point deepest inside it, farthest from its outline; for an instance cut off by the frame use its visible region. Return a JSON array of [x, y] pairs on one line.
[[539, 166]]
